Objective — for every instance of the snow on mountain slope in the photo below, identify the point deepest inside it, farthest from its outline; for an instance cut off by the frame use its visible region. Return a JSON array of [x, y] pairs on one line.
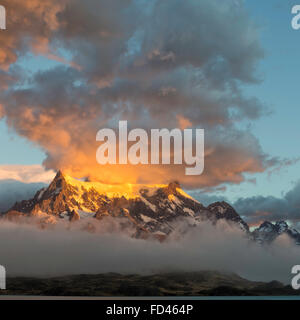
[[267, 232], [149, 209], [146, 209]]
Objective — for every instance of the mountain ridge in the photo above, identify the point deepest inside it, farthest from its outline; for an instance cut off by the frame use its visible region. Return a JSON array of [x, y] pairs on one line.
[[150, 210]]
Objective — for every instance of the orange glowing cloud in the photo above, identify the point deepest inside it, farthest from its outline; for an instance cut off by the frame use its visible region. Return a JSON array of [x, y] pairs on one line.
[[126, 62]]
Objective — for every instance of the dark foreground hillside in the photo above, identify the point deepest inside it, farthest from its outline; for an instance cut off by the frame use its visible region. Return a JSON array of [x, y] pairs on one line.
[[205, 283]]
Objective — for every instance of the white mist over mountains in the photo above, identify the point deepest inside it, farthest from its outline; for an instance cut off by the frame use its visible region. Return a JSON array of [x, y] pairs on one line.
[[29, 249], [206, 247]]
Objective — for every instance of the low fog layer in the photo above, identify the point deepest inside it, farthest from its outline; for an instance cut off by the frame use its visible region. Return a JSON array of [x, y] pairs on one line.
[[28, 251]]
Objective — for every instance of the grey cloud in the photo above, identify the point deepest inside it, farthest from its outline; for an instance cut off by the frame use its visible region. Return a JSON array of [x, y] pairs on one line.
[[198, 33], [256, 209], [12, 191]]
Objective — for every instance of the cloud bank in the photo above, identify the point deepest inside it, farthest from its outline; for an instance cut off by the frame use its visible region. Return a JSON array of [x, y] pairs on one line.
[[21, 182], [258, 209], [61, 252], [12, 191], [26, 173]]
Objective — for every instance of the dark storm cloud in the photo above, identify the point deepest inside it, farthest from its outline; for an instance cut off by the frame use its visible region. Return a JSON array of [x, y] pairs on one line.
[[258, 209]]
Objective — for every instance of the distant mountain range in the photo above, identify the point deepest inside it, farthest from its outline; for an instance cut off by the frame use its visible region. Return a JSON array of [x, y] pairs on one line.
[[148, 210]]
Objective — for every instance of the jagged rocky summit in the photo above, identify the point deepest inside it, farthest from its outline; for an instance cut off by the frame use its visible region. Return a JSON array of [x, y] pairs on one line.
[[149, 210]]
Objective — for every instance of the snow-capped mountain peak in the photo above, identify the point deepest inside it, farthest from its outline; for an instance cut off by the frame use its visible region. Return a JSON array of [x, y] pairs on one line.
[[148, 208], [268, 232]]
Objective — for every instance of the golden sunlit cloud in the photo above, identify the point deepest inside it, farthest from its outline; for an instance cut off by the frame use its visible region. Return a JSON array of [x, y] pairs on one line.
[[120, 65]]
